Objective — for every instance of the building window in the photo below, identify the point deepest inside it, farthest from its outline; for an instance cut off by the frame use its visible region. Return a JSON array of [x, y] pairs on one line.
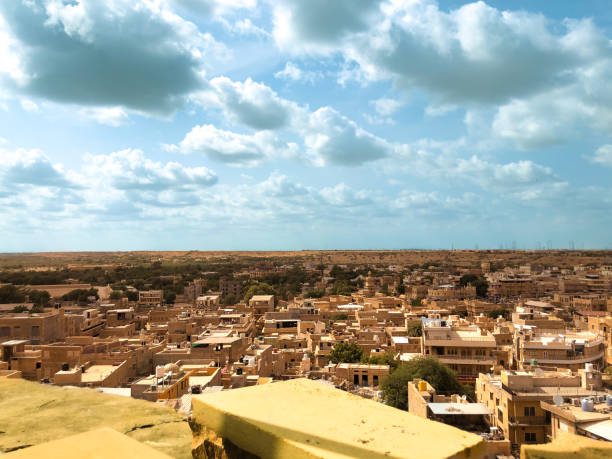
[[375, 380], [500, 415], [529, 411], [530, 437]]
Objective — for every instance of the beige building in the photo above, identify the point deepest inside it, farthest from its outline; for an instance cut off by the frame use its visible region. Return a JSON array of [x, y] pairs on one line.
[[262, 304], [40, 328], [360, 374], [150, 298], [467, 349], [514, 397], [565, 349]]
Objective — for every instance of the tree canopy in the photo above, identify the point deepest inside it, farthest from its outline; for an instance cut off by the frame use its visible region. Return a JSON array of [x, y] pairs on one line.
[[415, 329], [481, 284], [441, 377], [345, 353], [495, 313], [258, 289], [80, 295]]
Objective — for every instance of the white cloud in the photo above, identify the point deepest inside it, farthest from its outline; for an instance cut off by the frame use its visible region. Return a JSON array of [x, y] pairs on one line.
[[246, 27], [603, 155], [134, 54], [28, 105], [109, 116], [250, 103], [211, 9], [132, 170], [475, 53], [294, 73], [331, 138], [386, 106], [233, 148]]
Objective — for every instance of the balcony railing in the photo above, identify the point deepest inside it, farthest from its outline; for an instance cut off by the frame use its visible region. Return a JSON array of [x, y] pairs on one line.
[[528, 420], [465, 357]]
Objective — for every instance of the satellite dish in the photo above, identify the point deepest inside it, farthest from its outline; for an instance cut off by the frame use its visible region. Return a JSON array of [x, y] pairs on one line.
[[558, 400], [538, 372]]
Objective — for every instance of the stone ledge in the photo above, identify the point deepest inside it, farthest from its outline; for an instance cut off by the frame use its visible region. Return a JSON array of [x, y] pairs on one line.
[[102, 443], [307, 419]]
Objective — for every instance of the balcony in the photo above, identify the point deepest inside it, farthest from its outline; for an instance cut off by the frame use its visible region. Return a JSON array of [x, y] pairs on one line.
[[528, 420], [563, 359], [466, 359]]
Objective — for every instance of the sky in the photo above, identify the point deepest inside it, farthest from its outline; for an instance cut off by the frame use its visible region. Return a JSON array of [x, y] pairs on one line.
[[305, 124]]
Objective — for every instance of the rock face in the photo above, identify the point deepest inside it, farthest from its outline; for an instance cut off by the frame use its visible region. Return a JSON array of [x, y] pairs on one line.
[[208, 445], [307, 419], [32, 413]]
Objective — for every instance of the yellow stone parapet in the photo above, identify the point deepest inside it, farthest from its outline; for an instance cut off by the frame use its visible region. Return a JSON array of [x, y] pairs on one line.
[[307, 419]]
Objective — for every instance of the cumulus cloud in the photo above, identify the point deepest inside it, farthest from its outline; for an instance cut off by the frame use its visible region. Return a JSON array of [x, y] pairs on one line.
[[31, 167], [332, 138], [603, 155], [130, 169], [132, 54], [233, 148], [211, 9], [109, 116], [475, 53], [385, 106], [250, 103], [294, 73]]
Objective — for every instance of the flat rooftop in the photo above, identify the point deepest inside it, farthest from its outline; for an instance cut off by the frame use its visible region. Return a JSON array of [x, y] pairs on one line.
[[96, 373]]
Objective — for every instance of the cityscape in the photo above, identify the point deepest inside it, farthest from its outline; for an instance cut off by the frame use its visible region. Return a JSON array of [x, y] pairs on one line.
[[305, 229]]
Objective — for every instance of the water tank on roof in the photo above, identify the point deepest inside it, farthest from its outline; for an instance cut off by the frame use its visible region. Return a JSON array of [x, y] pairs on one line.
[[587, 404], [608, 400], [65, 367], [588, 367], [238, 371]]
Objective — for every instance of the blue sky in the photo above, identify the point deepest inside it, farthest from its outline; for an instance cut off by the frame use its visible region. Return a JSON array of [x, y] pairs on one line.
[[346, 124]]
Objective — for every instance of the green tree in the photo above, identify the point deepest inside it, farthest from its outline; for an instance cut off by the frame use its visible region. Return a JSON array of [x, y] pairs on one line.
[[39, 297], [481, 284], [230, 300], [315, 293], [169, 296], [495, 313], [345, 353], [386, 358], [341, 287], [131, 295], [401, 289], [441, 377], [259, 289], [37, 308], [11, 294], [339, 316], [116, 295], [416, 302], [415, 329], [80, 295], [19, 309]]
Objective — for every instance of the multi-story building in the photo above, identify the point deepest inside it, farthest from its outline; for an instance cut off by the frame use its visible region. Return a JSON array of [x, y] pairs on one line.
[[150, 297], [39, 328], [514, 397], [563, 349], [467, 349], [230, 286], [261, 304]]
